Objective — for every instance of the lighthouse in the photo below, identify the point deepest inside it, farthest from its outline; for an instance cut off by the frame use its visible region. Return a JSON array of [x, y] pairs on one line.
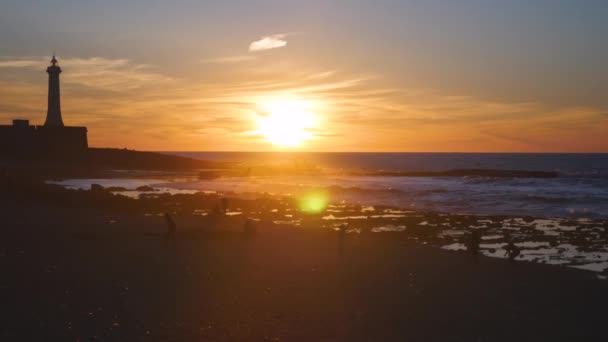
[[52, 141], [53, 114]]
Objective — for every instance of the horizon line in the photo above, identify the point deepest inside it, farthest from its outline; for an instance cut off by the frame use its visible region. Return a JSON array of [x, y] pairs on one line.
[[387, 152]]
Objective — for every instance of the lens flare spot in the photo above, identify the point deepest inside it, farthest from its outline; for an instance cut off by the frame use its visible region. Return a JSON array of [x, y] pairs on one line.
[[313, 202]]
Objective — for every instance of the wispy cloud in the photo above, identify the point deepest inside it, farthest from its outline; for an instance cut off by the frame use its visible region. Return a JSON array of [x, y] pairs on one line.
[[229, 59], [19, 63], [112, 74], [96, 72], [269, 42]]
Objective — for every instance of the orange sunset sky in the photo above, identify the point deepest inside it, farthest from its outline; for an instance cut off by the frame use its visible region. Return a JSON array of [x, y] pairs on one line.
[[491, 76]]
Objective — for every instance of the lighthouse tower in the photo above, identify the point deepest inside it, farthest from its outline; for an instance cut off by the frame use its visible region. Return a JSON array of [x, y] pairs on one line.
[[53, 114]]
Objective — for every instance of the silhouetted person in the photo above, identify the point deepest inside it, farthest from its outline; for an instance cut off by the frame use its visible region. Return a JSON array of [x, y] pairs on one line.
[[217, 210], [473, 247], [342, 230], [341, 237], [511, 251], [224, 205], [249, 228], [171, 230]]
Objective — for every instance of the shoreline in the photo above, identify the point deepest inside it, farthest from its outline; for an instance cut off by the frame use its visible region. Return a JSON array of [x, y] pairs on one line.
[[573, 242]]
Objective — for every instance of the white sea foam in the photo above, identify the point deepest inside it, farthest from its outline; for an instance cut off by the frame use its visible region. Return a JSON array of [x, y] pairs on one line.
[[492, 245], [389, 228], [550, 224], [290, 222], [455, 247], [595, 267], [332, 217], [387, 216], [532, 244]]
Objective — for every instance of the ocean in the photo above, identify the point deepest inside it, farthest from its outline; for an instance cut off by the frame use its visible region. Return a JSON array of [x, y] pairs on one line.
[[589, 164], [580, 190]]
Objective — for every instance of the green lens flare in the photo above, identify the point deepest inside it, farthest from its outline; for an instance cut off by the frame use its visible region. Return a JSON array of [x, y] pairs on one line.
[[313, 202]]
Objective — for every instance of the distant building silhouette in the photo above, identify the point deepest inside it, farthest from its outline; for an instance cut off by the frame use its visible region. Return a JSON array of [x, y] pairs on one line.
[[22, 140]]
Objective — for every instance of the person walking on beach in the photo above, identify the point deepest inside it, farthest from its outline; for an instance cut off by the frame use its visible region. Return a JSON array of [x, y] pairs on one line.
[[474, 242], [511, 251], [171, 230], [224, 205], [249, 228], [341, 236], [343, 229]]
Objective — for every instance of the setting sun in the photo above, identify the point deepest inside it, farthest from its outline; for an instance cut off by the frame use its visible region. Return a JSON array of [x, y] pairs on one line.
[[285, 122]]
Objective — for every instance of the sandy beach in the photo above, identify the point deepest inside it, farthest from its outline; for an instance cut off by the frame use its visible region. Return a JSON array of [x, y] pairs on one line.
[[74, 271]]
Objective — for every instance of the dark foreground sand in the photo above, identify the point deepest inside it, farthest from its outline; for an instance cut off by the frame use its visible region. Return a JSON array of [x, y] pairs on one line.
[[93, 275]]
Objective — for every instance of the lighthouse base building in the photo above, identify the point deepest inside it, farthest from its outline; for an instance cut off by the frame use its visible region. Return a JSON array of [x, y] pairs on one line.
[[25, 140], [53, 139]]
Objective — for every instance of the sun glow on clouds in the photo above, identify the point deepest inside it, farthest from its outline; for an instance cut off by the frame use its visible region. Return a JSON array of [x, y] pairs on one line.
[[286, 122], [258, 104]]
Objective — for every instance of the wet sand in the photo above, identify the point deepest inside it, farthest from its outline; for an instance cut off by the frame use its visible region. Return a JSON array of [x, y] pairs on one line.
[[76, 273]]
